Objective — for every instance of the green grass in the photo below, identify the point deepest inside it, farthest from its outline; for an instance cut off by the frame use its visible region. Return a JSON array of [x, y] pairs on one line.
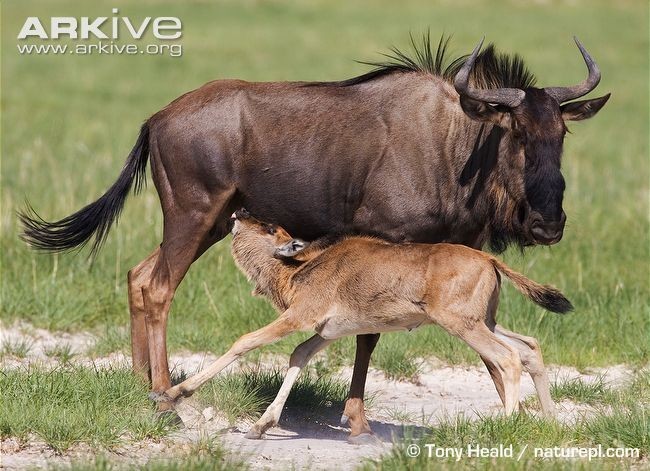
[[247, 394], [60, 352], [189, 463], [579, 390], [112, 339], [69, 122], [65, 406], [205, 455], [107, 407], [397, 364], [18, 348], [625, 422]]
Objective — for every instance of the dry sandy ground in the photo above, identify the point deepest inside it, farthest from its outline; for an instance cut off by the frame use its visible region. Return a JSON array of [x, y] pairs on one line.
[[398, 409]]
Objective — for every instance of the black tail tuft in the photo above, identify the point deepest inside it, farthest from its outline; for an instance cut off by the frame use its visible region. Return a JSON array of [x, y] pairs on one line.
[[95, 219], [551, 299]]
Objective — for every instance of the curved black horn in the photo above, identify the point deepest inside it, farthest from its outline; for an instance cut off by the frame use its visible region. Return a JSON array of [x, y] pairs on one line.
[[562, 94], [510, 97]]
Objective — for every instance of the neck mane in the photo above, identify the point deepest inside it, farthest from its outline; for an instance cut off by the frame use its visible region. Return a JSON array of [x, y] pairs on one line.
[[492, 69]]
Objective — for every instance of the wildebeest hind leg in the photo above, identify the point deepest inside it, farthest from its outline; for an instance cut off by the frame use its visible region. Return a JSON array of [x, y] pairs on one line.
[[137, 277], [186, 236]]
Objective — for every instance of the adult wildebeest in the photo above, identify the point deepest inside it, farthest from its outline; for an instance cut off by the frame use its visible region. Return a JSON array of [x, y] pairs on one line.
[[411, 151], [362, 284]]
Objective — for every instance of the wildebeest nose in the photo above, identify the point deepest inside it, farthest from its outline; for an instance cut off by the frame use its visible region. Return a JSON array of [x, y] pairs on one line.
[[548, 233]]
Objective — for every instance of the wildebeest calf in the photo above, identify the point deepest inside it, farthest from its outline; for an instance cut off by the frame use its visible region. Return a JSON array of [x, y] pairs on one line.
[[366, 285]]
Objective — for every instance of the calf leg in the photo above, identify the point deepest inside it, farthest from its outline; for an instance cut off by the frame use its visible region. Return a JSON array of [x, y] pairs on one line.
[[299, 358], [354, 411], [273, 332], [533, 363], [496, 379], [504, 359]]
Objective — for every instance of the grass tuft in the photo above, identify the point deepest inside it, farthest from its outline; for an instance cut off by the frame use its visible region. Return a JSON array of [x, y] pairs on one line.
[[588, 392], [398, 364], [60, 352], [624, 427], [205, 455], [73, 404], [18, 348], [245, 395]]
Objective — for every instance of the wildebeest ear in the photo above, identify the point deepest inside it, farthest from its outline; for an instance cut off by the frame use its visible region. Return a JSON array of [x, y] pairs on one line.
[[481, 111], [583, 109], [291, 248]]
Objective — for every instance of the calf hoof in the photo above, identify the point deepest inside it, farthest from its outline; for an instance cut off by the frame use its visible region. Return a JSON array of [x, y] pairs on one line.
[[364, 439], [254, 434], [170, 417]]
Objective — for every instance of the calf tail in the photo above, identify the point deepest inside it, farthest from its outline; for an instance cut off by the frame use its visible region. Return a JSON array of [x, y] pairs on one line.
[[543, 295], [94, 219]]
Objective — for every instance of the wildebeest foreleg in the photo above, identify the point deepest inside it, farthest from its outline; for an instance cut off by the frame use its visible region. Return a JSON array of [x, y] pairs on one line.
[[354, 411], [299, 358]]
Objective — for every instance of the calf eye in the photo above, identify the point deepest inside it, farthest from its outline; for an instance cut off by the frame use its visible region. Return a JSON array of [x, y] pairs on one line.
[[269, 229]]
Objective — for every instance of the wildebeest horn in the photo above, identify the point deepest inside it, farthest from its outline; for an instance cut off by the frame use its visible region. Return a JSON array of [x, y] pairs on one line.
[[562, 94], [502, 96]]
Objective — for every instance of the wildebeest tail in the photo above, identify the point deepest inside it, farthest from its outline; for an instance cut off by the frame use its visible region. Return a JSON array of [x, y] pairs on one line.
[[543, 295], [94, 219]]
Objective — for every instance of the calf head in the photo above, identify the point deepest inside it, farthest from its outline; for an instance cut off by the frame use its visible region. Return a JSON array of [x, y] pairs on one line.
[[271, 240]]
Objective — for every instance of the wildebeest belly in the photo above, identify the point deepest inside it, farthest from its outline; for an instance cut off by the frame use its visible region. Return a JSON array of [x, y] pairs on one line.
[[321, 201]]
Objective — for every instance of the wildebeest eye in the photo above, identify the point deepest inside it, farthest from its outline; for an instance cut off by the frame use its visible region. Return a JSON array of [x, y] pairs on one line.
[[269, 229]]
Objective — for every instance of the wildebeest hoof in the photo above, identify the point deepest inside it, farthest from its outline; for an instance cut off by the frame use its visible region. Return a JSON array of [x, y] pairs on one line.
[[365, 439], [160, 397], [170, 417], [254, 434]]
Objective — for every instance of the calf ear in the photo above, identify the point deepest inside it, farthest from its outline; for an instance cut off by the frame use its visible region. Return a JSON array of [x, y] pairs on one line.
[[291, 248], [583, 109], [481, 111]]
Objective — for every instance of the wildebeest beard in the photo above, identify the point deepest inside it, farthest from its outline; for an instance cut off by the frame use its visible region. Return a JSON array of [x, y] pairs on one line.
[[481, 168]]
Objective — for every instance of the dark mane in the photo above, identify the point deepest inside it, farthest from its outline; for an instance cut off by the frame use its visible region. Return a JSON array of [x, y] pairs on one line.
[[492, 69]]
